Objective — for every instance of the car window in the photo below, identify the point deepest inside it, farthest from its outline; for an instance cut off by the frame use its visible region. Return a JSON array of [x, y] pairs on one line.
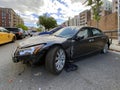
[[83, 33], [4, 30], [13, 29], [20, 30], [55, 29], [96, 32], [66, 32]]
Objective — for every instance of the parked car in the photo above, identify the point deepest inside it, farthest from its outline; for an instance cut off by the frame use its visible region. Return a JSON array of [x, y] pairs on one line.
[[26, 33], [65, 45], [32, 32], [6, 36], [51, 31], [20, 34]]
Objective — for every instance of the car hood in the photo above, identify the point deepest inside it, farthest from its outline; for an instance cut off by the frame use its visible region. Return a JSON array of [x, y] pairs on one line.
[[43, 39]]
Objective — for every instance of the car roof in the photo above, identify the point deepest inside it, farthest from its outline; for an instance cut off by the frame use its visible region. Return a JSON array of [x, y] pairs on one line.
[[79, 27]]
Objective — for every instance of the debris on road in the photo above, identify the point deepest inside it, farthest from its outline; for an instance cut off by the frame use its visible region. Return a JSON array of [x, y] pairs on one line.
[[38, 74], [10, 80], [21, 81], [22, 71], [70, 67]]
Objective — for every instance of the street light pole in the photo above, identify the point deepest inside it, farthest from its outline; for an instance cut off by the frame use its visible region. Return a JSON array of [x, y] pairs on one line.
[[118, 21]]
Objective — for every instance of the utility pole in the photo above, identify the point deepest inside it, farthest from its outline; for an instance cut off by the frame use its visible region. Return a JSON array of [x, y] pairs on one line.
[[118, 21]]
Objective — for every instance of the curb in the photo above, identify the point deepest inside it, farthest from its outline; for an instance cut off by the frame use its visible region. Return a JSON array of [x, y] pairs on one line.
[[114, 50]]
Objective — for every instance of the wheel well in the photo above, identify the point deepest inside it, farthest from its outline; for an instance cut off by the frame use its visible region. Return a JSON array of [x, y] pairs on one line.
[[108, 42], [58, 45]]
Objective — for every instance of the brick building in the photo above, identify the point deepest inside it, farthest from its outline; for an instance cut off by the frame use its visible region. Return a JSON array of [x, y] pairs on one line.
[[8, 18], [85, 16]]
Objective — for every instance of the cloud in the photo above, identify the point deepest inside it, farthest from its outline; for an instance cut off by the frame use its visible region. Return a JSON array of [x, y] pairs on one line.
[[29, 10]]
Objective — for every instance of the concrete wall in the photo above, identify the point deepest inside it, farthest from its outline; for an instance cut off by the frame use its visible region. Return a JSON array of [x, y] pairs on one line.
[[109, 22]]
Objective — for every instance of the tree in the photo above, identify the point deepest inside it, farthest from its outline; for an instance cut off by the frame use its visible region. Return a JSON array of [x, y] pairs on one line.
[[39, 29], [95, 5], [22, 26], [47, 22]]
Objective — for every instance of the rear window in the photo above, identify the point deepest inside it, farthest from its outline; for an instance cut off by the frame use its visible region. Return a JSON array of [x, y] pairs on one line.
[[96, 32], [33, 31], [13, 29]]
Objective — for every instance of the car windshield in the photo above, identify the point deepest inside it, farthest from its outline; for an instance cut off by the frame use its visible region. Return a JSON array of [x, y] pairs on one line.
[[55, 29], [66, 32]]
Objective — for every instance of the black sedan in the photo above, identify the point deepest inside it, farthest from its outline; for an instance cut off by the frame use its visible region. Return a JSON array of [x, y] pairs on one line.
[[63, 46], [19, 32]]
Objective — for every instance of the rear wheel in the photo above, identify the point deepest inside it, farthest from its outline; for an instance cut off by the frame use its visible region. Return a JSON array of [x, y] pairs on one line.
[[55, 60], [105, 48]]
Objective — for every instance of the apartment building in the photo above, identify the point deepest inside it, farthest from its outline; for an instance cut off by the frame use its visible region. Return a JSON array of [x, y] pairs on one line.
[[71, 22], [66, 23], [8, 18], [115, 5], [84, 17], [77, 20]]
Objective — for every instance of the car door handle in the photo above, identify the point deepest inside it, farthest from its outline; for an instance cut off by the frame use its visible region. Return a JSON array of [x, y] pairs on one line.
[[91, 40]]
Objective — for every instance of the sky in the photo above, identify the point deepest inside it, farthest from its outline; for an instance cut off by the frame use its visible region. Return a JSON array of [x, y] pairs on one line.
[[30, 10]]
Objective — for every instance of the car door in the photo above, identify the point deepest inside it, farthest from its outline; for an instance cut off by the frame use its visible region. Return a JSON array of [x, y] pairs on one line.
[[1, 37], [5, 35], [98, 39], [81, 47]]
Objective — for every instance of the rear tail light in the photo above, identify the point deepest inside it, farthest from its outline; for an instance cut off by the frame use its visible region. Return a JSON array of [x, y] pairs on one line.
[[19, 33]]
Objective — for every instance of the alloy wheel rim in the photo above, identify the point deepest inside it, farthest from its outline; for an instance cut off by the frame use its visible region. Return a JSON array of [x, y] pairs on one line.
[[60, 59]]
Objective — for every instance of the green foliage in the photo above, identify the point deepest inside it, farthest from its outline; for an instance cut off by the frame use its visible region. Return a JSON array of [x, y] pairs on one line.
[[39, 29], [47, 22], [22, 26], [90, 2], [95, 4]]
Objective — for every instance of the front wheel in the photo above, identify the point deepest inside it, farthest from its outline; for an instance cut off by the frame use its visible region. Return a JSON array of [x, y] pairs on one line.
[[55, 60], [105, 48]]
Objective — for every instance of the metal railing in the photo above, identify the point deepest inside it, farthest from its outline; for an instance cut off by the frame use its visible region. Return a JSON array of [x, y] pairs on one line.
[[112, 34]]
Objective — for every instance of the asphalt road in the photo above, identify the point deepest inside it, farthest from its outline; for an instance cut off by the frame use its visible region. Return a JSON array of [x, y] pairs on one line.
[[97, 72]]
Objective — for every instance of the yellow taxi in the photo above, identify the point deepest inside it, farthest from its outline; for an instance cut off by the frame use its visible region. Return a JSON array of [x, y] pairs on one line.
[[6, 36]]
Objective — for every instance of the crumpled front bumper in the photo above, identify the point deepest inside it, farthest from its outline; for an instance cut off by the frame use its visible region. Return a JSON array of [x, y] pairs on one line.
[[34, 58]]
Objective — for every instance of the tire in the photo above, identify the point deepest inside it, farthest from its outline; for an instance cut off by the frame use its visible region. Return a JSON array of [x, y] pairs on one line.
[[53, 62], [105, 49]]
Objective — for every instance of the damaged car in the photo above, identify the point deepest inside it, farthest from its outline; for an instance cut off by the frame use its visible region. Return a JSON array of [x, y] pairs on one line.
[[63, 46]]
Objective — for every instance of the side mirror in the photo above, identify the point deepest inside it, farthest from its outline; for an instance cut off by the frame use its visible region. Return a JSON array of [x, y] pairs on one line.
[[79, 38]]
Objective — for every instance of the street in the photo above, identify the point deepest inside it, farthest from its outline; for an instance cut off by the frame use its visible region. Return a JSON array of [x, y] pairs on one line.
[[98, 72]]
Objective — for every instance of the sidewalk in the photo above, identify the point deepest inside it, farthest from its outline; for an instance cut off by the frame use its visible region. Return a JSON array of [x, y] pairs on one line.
[[115, 46]]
